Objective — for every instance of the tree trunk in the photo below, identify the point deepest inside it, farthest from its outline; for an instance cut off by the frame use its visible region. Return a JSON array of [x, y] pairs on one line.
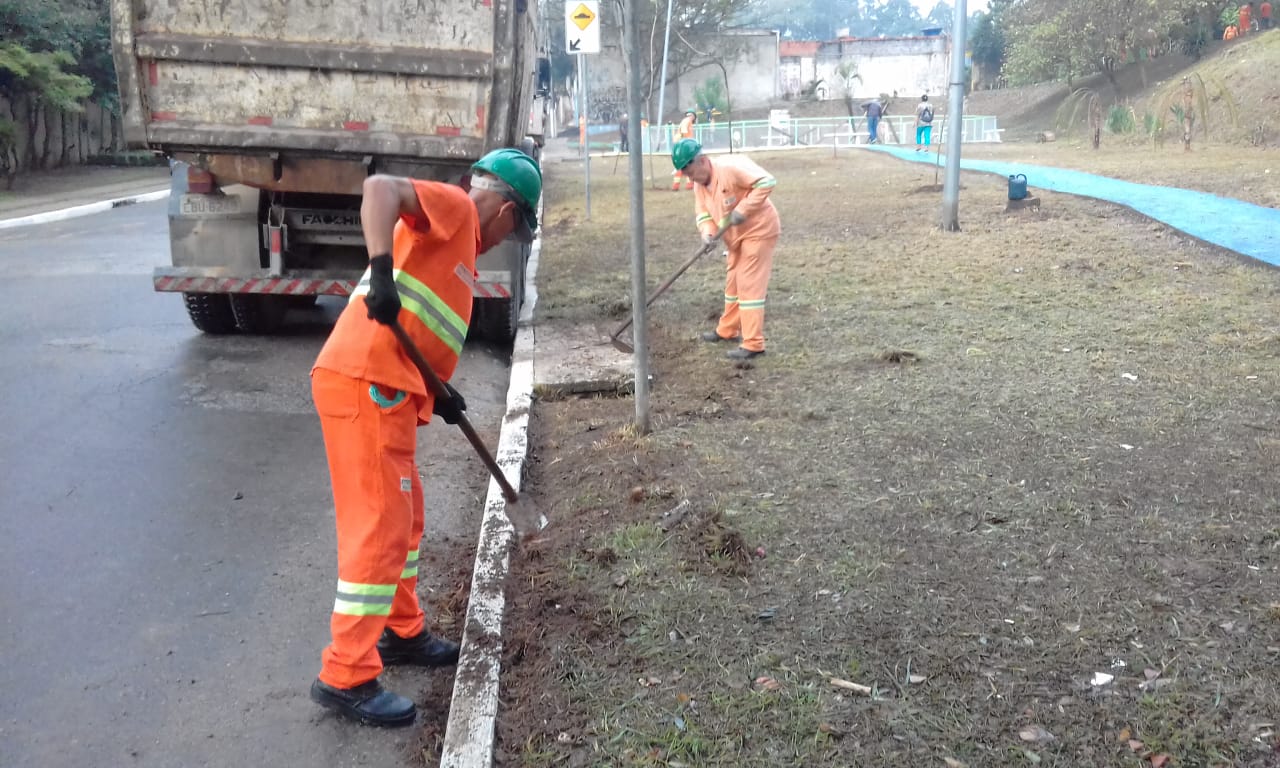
[[1187, 101], [65, 159], [33, 124], [48, 139]]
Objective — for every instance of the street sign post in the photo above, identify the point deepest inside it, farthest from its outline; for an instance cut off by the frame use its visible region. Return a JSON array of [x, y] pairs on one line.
[[582, 26], [582, 36]]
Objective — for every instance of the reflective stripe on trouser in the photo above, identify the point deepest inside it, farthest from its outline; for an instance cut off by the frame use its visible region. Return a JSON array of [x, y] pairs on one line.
[[675, 180], [746, 284], [377, 501]]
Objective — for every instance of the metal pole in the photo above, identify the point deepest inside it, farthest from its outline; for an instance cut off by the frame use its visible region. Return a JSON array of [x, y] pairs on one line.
[[662, 80], [950, 218], [586, 130], [640, 330]]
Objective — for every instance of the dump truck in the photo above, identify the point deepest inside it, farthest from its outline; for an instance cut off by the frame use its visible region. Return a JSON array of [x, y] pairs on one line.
[[273, 112]]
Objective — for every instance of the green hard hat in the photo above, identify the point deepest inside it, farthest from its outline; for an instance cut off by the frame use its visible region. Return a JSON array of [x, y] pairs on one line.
[[523, 180], [683, 153]]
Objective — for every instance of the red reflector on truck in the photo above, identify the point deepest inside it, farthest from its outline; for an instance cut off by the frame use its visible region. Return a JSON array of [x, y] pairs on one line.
[[448, 130], [260, 120], [199, 181], [355, 125], [164, 115]]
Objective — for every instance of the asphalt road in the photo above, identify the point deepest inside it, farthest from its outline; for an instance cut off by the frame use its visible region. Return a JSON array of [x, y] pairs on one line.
[[166, 527]]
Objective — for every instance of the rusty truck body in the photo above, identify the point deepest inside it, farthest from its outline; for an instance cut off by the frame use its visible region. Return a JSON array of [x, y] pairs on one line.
[[273, 112]]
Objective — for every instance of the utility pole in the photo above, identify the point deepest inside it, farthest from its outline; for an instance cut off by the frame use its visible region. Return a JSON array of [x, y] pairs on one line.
[[635, 158], [950, 217], [662, 82]]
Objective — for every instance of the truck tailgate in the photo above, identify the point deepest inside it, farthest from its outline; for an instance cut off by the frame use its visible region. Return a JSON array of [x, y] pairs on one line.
[[411, 78]]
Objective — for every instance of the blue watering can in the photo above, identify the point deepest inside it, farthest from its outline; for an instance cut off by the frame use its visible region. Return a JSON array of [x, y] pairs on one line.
[[1017, 186]]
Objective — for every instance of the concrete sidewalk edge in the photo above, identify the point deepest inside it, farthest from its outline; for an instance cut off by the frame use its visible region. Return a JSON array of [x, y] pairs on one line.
[[82, 210], [473, 712]]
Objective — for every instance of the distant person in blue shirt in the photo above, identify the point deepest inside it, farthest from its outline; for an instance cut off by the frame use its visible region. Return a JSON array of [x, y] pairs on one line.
[[873, 109]]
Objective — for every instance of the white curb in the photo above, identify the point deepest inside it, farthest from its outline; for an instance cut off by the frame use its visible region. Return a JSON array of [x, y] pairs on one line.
[[473, 713], [82, 210]]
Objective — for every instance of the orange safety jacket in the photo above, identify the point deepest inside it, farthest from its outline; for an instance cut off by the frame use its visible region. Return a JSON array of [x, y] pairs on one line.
[[739, 184], [435, 267]]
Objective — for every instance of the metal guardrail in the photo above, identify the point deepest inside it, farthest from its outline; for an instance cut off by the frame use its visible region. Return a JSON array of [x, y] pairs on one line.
[[819, 132]]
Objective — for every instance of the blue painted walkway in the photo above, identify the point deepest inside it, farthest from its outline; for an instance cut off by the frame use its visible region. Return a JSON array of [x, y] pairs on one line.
[[1252, 230]]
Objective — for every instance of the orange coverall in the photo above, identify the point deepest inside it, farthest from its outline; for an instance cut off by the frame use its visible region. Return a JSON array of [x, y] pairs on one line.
[[371, 399], [1245, 13], [685, 131], [739, 184]]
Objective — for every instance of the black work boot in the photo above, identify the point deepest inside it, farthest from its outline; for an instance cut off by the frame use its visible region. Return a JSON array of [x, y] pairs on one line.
[[368, 703], [713, 337], [425, 650], [743, 354]]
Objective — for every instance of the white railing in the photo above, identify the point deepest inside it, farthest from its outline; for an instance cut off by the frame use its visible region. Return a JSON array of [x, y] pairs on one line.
[[819, 132]]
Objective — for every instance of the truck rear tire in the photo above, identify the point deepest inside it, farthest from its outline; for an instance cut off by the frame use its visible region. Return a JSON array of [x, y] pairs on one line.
[[259, 314], [210, 312]]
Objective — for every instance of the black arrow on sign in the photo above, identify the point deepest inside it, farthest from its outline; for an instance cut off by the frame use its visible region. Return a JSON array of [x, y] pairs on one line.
[[574, 45], [584, 16]]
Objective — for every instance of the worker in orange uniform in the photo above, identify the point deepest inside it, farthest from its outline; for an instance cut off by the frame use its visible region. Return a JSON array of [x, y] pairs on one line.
[[422, 238], [1246, 13], [685, 131], [1229, 33], [733, 195], [1264, 15]]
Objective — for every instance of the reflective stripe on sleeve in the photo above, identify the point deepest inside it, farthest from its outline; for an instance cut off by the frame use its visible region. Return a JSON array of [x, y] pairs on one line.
[[765, 183]]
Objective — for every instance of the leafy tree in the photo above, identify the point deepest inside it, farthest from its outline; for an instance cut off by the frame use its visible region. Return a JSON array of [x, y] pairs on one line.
[[987, 39], [43, 80], [942, 15]]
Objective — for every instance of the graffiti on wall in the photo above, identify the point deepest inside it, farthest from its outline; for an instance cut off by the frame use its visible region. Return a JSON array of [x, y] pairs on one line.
[[606, 105]]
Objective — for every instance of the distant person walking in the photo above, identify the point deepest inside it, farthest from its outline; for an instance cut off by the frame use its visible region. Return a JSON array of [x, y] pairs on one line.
[[685, 131], [873, 110], [1264, 15], [924, 123], [622, 134], [1246, 13]]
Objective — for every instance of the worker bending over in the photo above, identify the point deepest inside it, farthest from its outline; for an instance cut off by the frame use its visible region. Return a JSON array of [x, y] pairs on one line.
[[732, 194], [422, 238]]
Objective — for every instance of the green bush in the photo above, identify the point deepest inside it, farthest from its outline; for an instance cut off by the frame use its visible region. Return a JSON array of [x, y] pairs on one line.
[[1120, 119]]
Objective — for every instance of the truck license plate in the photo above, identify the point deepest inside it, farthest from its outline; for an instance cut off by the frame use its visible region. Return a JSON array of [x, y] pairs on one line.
[[197, 205]]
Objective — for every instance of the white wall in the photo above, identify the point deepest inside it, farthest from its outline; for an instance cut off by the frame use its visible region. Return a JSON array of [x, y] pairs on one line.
[[909, 67], [752, 70]]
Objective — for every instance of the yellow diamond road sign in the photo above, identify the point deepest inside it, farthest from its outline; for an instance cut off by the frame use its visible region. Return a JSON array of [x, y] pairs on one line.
[[582, 26], [583, 16]]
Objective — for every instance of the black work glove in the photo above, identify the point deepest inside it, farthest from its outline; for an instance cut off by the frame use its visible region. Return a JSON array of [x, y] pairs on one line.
[[449, 408], [383, 300]]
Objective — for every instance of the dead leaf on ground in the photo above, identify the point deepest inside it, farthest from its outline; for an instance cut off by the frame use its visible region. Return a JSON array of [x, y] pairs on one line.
[[1036, 735], [768, 683], [954, 763], [1125, 733], [1160, 760], [1136, 745]]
